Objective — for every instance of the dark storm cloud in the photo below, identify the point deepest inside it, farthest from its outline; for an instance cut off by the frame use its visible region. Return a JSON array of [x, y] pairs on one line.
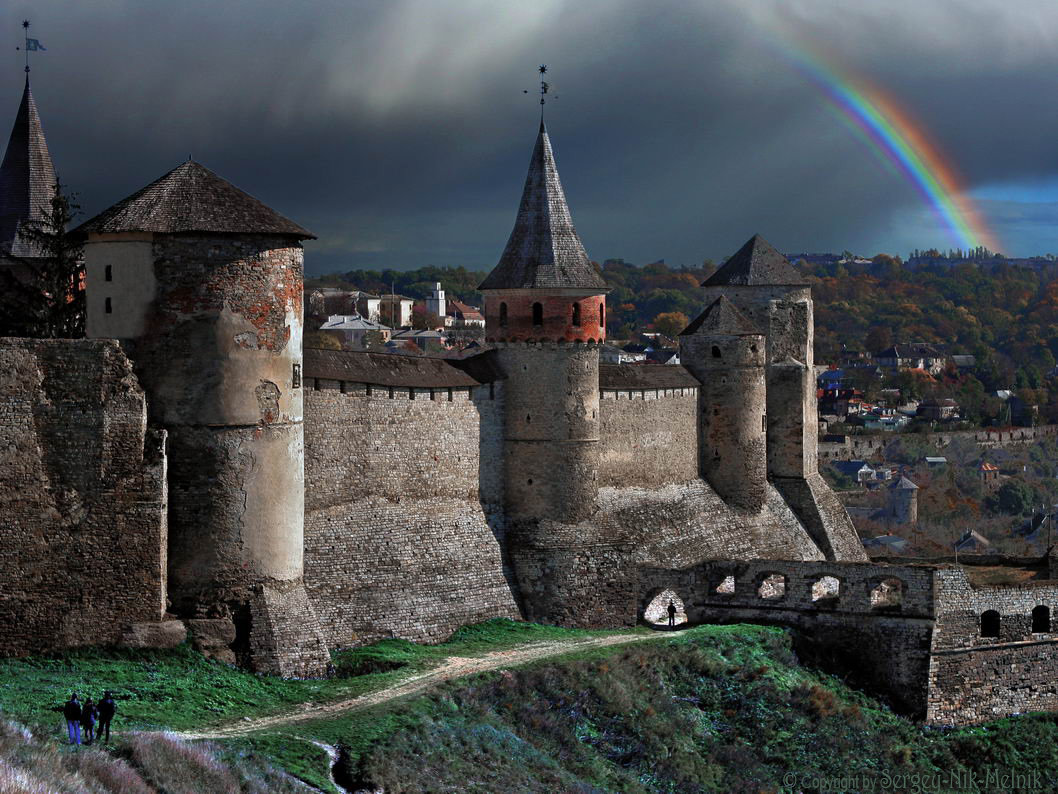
[[399, 133]]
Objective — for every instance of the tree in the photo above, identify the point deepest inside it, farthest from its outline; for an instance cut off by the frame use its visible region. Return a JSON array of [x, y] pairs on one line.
[[671, 323], [424, 320], [879, 337], [1014, 498], [50, 303], [322, 340]]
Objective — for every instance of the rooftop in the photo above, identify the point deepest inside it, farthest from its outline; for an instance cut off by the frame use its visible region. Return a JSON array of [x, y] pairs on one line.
[[756, 263], [387, 369], [721, 317], [191, 198], [26, 176], [544, 250], [642, 377]]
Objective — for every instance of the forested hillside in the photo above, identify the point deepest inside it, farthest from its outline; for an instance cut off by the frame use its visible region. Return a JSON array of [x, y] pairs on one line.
[[1005, 315]]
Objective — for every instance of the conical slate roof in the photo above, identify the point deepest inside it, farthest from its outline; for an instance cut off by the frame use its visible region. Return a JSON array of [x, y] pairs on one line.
[[26, 177], [191, 198], [721, 317], [903, 484], [544, 250], [756, 263]]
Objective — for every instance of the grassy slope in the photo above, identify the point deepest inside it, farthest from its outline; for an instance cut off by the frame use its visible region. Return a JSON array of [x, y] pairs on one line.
[[181, 690], [715, 708]]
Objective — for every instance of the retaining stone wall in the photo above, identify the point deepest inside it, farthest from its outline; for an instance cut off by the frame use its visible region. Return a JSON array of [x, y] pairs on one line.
[[82, 497], [403, 523]]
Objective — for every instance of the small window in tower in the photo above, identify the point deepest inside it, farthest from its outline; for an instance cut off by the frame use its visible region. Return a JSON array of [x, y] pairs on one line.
[[295, 379], [602, 315], [576, 315], [107, 306], [108, 273], [503, 314], [764, 423], [538, 314], [716, 352]]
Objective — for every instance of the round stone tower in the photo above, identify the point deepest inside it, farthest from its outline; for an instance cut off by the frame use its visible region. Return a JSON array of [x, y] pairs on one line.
[[903, 501], [202, 283], [545, 313], [723, 350]]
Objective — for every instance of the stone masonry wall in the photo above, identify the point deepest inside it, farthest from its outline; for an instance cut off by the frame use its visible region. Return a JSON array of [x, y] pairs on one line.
[[82, 497], [974, 678], [870, 444], [873, 620], [403, 526], [647, 438]]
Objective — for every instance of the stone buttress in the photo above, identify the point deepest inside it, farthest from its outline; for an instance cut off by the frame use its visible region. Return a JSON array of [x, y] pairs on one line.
[[203, 286]]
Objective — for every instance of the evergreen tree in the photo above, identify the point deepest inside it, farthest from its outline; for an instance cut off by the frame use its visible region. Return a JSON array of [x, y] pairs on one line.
[[50, 303]]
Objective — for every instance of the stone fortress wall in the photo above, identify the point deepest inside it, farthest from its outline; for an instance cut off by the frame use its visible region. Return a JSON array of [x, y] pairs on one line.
[[82, 497], [404, 533]]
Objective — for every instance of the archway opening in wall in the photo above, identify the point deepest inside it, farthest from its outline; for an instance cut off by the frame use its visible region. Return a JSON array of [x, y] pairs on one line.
[[990, 624], [772, 587], [726, 586], [1041, 620], [826, 591], [888, 595], [716, 352], [657, 611], [538, 314]]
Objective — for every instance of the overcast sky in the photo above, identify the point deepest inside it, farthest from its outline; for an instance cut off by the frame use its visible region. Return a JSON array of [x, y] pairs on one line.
[[399, 133]]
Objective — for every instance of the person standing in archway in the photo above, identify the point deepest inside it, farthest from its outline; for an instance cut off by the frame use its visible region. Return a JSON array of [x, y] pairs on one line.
[[672, 614]]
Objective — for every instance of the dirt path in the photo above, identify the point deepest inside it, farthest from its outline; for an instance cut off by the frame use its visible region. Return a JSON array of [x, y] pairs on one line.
[[453, 667]]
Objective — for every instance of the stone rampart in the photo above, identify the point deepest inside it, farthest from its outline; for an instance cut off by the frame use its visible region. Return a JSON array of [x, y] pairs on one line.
[[403, 523], [648, 437], [82, 497]]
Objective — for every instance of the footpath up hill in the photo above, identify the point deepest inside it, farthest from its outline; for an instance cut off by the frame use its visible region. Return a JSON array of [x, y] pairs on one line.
[[707, 709]]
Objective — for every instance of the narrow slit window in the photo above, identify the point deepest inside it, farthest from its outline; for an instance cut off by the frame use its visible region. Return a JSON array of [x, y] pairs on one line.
[[503, 314], [108, 273], [295, 378], [576, 315], [538, 314], [602, 315], [716, 352], [108, 307]]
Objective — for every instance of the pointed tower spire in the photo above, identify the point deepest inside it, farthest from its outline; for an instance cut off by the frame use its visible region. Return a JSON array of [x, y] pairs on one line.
[[544, 251], [26, 177]]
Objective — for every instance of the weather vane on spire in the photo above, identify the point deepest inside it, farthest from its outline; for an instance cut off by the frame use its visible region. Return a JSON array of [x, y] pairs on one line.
[[32, 45], [545, 87]]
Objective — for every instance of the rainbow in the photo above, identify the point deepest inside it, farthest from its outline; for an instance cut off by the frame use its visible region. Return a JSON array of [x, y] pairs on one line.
[[896, 138]]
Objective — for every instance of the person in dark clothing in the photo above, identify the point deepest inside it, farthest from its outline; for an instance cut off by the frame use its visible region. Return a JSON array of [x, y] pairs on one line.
[[72, 712], [672, 614], [106, 709], [88, 720]]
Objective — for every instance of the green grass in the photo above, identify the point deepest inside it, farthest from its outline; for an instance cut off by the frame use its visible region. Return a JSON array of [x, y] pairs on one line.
[[181, 690], [714, 708]]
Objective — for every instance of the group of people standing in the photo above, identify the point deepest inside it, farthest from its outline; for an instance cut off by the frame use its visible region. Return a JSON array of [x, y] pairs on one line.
[[86, 716]]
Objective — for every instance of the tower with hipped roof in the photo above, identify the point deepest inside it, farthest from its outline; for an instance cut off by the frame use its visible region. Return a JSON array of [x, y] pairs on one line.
[[202, 284], [724, 351], [777, 300]]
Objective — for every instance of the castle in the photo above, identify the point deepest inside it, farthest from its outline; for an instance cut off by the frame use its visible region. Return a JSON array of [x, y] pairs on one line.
[[189, 469]]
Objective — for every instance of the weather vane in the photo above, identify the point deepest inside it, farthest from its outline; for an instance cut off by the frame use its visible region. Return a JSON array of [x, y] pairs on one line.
[[545, 87], [32, 45]]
